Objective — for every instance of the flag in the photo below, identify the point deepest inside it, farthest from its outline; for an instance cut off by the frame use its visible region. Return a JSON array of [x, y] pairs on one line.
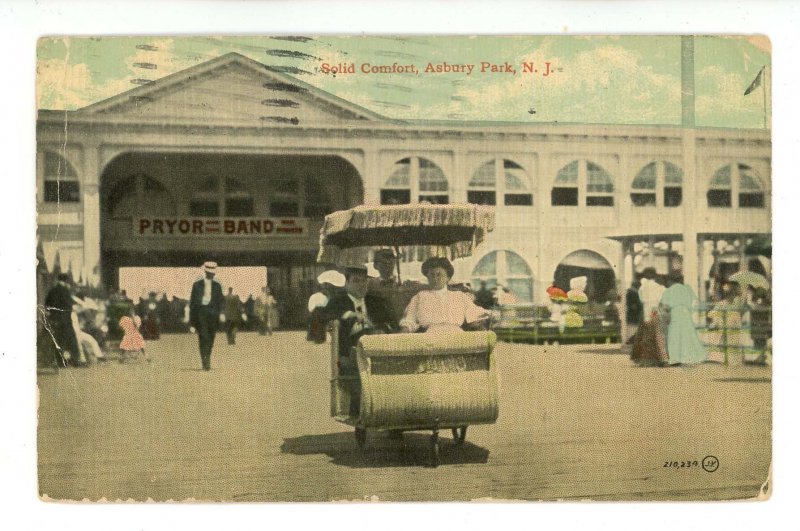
[[756, 82]]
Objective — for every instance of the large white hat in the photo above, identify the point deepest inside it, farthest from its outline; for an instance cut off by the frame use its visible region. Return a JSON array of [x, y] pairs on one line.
[[210, 267], [578, 283], [332, 277]]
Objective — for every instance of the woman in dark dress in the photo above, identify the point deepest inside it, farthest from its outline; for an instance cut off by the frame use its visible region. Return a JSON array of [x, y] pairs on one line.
[[649, 343]]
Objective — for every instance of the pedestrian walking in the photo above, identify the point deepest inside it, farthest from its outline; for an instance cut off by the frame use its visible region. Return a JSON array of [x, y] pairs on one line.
[[150, 328], [683, 344], [270, 311], [233, 315], [205, 306], [249, 307], [649, 343]]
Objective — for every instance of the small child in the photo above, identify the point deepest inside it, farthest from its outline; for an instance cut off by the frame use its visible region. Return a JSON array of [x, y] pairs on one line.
[[132, 343]]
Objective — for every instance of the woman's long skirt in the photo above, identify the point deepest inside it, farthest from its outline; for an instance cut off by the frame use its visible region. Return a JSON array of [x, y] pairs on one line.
[[649, 344]]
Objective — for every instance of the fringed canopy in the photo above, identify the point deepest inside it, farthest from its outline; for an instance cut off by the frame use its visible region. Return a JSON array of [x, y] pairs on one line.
[[434, 230]]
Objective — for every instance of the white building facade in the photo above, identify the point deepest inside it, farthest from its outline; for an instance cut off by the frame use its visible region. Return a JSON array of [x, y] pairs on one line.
[[235, 141]]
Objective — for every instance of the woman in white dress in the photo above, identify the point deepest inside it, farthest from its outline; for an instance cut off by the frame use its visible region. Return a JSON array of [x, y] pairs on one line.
[[438, 310]]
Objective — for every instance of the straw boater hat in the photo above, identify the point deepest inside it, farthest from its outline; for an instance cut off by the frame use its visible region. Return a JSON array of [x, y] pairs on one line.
[[210, 267]]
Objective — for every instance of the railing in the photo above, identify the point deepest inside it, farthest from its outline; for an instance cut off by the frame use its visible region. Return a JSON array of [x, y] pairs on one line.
[[734, 329], [724, 329], [529, 323]]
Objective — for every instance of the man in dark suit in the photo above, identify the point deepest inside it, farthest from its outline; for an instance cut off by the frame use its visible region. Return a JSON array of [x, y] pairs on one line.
[[58, 304], [633, 303], [359, 313], [205, 306]]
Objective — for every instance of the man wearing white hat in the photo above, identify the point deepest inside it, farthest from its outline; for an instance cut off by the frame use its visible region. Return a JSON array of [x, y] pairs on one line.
[[359, 313], [329, 281], [205, 306]]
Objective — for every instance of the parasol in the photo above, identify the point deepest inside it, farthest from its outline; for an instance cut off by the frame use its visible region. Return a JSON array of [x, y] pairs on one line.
[[439, 230], [750, 278]]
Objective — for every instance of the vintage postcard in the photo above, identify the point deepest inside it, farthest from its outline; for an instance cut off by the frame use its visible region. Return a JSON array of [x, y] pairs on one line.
[[404, 268]]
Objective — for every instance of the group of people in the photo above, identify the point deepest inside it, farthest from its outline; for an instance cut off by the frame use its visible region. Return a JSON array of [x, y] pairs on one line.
[[739, 319], [77, 328], [667, 333], [208, 307], [365, 306], [259, 314], [77, 331], [158, 314], [74, 327]]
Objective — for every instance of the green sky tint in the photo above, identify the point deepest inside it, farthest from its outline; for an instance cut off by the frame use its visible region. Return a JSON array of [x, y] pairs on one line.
[[604, 79]]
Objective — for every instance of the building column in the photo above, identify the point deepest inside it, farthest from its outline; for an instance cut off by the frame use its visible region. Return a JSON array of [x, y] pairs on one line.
[[622, 292], [371, 177], [690, 273], [544, 173], [622, 189], [701, 269], [458, 180], [91, 215], [690, 247], [743, 266]]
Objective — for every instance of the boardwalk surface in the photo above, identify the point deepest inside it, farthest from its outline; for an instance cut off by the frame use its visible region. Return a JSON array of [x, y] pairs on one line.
[[577, 422]]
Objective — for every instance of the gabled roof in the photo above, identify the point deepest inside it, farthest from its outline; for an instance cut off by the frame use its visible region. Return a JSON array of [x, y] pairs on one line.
[[154, 90]]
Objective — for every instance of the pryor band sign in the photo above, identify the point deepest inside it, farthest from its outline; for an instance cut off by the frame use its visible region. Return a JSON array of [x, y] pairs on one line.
[[226, 227]]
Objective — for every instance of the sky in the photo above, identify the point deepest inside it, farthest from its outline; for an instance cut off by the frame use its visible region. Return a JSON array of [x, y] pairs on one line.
[[593, 79]]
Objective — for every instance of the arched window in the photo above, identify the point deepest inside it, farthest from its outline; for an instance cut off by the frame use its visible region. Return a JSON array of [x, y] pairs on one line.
[[599, 186], [719, 195], [503, 176], [61, 183], [659, 175], [751, 193], [565, 190], [139, 194], [593, 179], [415, 177], [736, 180], [218, 197], [504, 268], [317, 203]]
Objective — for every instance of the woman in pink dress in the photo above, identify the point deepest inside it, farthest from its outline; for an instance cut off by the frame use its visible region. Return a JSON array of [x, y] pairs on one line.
[[132, 342], [437, 309]]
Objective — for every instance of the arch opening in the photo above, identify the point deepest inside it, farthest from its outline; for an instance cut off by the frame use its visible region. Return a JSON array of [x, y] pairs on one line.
[[177, 210], [601, 279]]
